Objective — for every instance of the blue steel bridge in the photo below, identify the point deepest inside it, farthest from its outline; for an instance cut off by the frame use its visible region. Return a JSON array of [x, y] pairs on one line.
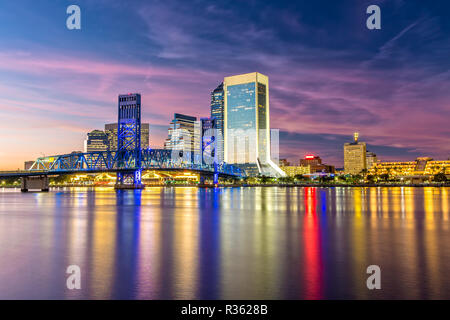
[[108, 161], [112, 161], [129, 160]]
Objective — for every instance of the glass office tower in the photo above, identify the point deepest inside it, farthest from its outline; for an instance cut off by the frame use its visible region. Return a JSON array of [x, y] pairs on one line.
[[246, 123], [217, 112]]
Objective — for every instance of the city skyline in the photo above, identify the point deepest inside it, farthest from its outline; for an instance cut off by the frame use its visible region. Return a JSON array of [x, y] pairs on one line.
[[322, 90]]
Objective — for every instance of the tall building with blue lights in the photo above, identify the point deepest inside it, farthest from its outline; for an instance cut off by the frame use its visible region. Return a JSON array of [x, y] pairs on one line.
[[217, 112], [247, 125]]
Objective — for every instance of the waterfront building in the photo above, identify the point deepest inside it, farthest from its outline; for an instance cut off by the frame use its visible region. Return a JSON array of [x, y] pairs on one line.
[[96, 140], [111, 132], [284, 163], [354, 156], [315, 164], [217, 112], [247, 125], [423, 166], [183, 134], [371, 159], [292, 171]]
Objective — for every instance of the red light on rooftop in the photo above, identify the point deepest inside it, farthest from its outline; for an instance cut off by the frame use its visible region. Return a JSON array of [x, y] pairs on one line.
[[309, 156]]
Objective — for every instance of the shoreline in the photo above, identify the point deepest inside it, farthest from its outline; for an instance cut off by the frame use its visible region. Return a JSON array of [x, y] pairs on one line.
[[302, 185]]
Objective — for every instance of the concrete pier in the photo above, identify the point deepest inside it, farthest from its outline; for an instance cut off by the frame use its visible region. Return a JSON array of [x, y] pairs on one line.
[[35, 183]]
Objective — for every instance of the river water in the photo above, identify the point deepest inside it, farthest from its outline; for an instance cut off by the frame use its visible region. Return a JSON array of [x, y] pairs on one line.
[[225, 243]]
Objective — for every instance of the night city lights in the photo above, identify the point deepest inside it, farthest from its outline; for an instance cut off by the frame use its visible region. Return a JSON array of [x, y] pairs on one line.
[[225, 159]]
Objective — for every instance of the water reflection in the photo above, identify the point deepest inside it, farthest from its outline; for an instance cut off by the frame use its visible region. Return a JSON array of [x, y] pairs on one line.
[[233, 243]]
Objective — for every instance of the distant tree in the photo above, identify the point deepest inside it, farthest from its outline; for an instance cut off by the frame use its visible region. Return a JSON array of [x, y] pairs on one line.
[[326, 179], [440, 177], [265, 179], [384, 177], [370, 178], [356, 178], [301, 178], [286, 179]]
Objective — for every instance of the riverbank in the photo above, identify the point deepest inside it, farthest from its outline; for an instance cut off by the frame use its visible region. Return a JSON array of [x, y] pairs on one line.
[[301, 185]]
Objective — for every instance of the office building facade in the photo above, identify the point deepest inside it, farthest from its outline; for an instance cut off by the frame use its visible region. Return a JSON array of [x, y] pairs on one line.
[[315, 164], [371, 159], [208, 140], [217, 112], [96, 140], [246, 124], [292, 171], [111, 132], [355, 156], [183, 134]]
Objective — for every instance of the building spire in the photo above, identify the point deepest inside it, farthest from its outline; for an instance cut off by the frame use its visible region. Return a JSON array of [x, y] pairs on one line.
[[355, 136]]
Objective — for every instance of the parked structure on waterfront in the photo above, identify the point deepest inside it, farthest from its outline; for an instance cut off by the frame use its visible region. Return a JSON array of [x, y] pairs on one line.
[[247, 125], [354, 156]]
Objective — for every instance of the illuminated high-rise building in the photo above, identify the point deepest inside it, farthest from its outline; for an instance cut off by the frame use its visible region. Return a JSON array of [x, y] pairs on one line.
[[208, 140], [354, 156], [246, 124], [111, 132], [217, 112], [183, 134], [96, 140], [371, 159], [315, 164]]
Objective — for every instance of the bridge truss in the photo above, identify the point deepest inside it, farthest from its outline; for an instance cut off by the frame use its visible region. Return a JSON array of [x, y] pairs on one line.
[[150, 159]]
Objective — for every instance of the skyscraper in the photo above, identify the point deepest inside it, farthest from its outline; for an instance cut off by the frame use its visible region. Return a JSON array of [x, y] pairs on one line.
[[208, 140], [96, 140], [354, 156], [111, 132], [246, 124], [371, 159], [217, 112], [183, 134]]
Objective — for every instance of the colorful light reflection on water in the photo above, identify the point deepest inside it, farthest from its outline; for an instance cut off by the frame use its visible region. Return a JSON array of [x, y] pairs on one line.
[[230, 243]]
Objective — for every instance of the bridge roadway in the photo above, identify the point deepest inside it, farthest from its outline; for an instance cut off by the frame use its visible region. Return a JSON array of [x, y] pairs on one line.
[[108, 161]]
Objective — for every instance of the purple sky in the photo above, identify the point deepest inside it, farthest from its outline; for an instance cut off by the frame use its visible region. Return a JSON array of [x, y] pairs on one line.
[[329, 75]]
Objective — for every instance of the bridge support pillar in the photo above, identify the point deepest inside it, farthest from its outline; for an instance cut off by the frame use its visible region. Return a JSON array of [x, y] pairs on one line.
[[38, 182], [129, 180], [214, 177]]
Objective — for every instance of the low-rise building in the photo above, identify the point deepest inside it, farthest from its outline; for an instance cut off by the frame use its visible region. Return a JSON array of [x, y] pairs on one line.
[[423, 166], [292, 171]]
